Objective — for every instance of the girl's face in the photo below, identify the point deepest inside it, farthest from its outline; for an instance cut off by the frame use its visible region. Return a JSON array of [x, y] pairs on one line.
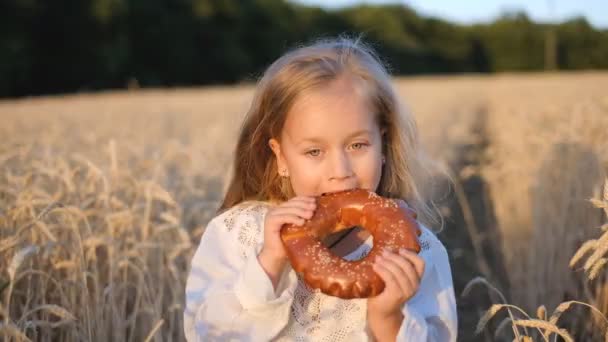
[[330, 141]]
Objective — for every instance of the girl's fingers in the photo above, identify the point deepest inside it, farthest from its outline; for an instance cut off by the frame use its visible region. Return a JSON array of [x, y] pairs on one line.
[[308, 198], [302, 199], [386, 275], [304, 213], [300, 202], [415, 259], [404, 264], [288, 218], [403, 273], [300, 206]]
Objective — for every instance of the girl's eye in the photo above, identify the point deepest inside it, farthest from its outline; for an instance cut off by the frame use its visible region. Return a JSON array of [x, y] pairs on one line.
[[317, 152], [314, 153], [358, 146]]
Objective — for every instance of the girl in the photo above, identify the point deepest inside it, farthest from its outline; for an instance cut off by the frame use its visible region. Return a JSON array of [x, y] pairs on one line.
[[324, 118]]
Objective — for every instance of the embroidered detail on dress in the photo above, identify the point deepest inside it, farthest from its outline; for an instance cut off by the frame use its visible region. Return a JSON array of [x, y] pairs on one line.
[[427, 240], [319, 317], [246, 219], [306, 308], [229, 219], [242, 209], [345, 307], [248, 232]]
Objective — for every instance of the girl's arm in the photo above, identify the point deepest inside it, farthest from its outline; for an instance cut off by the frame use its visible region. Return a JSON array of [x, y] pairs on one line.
[[229, 296]]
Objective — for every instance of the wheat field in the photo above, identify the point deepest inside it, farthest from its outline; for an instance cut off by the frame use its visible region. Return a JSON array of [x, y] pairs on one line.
[[104, 197]]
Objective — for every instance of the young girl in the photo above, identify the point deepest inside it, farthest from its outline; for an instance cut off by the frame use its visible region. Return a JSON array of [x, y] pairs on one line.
[[324, 118]]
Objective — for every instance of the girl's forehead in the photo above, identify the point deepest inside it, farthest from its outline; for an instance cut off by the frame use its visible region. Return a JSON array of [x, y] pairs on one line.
[[334, 112]]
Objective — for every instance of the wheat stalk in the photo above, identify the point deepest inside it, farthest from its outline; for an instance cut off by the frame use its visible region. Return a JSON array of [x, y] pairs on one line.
[[541, 312], [586, 247], [594, 270], [494, 309], [506, 322], [596, 247], [52, 309], [154, 330], [483, 281], [547, 326], [18, 259], [563, 307]]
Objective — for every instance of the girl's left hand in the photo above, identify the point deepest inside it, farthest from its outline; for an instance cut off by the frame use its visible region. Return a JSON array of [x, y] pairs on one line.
[[401, 273]]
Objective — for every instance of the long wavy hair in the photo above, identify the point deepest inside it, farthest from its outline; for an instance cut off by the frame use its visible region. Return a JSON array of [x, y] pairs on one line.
[[255, 174]]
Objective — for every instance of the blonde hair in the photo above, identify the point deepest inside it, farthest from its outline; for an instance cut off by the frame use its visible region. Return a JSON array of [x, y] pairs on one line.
[[256, 176]]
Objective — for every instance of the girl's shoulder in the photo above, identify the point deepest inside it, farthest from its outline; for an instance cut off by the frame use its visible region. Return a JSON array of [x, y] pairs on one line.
[[243, 224], [429, 242], [432, 249], [248, 212]]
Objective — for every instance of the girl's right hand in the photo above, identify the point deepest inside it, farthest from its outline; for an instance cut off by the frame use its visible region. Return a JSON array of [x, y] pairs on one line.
[[295, 211], [273, 256]]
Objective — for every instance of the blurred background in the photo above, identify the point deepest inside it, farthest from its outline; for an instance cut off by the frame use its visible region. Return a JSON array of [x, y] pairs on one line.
[[119, 118], [66, 45]]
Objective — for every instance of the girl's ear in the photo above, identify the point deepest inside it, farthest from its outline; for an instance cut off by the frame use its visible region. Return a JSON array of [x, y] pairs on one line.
[[275, 146]]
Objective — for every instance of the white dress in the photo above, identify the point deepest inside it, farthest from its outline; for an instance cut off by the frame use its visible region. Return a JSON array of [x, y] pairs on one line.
[[229, 297]]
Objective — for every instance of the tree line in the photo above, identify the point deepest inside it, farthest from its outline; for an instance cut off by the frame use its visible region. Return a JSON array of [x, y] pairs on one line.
[[60, 46]]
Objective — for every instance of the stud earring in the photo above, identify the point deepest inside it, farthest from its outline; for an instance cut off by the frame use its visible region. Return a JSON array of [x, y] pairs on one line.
[[383, 160]]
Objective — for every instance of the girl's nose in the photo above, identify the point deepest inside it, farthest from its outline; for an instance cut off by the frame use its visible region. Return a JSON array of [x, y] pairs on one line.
[[341, 167]]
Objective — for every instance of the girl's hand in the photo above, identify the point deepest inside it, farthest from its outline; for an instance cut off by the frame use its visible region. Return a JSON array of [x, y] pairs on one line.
[[295, 211], [401, 273]]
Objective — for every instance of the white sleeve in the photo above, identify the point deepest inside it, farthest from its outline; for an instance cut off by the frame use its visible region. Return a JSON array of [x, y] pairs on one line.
[[228, 294], [431, 314]]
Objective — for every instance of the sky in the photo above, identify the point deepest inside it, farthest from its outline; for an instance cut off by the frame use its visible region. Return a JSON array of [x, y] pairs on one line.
[[471, 11]]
